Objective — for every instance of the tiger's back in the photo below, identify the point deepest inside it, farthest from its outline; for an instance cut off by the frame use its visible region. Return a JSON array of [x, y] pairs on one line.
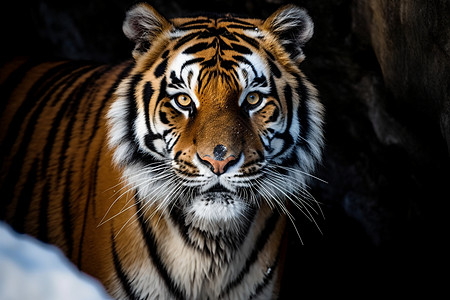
[[170, 176], [53, 147]]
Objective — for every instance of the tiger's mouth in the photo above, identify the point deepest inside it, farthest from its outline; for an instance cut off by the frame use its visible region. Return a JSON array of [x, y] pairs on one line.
[[217, 188], [218, 195]]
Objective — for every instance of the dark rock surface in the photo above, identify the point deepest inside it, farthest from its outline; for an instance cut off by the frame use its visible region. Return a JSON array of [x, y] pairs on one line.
[[382, 69]]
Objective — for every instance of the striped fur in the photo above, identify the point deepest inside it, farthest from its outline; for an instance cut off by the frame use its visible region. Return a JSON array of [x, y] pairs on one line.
[[170, 176]]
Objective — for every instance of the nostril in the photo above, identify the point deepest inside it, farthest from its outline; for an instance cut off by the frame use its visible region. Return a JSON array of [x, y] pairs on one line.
[[218, 166]]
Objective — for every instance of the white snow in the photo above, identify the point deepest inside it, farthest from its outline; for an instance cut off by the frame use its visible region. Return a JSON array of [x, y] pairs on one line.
[[30, 269]]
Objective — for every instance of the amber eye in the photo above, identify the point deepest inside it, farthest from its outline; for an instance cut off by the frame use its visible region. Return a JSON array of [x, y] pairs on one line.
[[183, 100], [253, 98]]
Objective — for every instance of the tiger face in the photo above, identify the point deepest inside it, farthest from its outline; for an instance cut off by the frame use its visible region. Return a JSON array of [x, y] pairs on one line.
[[216, 116]]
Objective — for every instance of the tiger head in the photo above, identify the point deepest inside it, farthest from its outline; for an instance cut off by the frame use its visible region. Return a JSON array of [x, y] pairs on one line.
[[216, 116]]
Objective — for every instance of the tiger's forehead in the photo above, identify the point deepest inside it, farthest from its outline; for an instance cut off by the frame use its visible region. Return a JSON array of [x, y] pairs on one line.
[[228, 21], [216, 51], [223, 34]]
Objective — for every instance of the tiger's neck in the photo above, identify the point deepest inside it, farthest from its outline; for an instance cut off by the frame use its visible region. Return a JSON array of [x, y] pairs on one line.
[[212, 264]]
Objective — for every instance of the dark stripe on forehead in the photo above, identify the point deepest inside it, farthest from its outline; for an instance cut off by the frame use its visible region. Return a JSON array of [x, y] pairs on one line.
[[236, 26], [161, 68], [185, 39], [240, 48], [194, 22], [196, 48], [234, 20], [248, 40]]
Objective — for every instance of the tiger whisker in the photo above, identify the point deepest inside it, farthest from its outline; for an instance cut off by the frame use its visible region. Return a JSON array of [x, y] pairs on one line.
[[131, 186], [281, 179], [147, 204], [297, 203], [269, 196], [293, 170]]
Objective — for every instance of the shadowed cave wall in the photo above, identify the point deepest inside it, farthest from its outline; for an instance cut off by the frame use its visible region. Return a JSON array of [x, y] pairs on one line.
[[382, 70]]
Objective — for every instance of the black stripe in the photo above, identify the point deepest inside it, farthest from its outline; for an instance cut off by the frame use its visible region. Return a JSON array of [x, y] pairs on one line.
[[92, 183], [236, 26], [120, 272], [248, 40], [165, 54], [161, 68], [267, 278], [194, 22], [25, 197], [261, 241], [44, 85], [197, 48], [169, 149], [131, 115], [67, 221], [185, 39], [13, 80], [303, 113], [132, 109], [289, 103], [147, 97], [269, 54], [162, 93], [241, 49], [242, 59], [274, 69], [234, 20], [93, 179], [76, 98], [108, 95], [286, 136], [55, 127], [37, 90], [67, 107], [197, 27], [43, 213], [92, 98], [163, 119], [190, 62], [153, 254]]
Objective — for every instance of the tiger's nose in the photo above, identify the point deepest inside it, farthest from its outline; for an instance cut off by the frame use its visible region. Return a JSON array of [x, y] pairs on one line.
[[220, 163]]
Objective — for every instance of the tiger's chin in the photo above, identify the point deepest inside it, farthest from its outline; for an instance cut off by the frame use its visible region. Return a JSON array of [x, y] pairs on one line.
[[219, 213]]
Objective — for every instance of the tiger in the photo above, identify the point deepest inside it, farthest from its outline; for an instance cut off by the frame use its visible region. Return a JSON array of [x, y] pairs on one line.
[[172, 175]]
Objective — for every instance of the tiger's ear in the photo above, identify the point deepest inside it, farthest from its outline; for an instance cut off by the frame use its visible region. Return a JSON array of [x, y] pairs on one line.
[[293, 27], [142, 25]]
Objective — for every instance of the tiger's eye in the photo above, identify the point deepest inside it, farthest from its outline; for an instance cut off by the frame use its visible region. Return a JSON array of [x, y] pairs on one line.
[[183, 100], [253, 98]]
